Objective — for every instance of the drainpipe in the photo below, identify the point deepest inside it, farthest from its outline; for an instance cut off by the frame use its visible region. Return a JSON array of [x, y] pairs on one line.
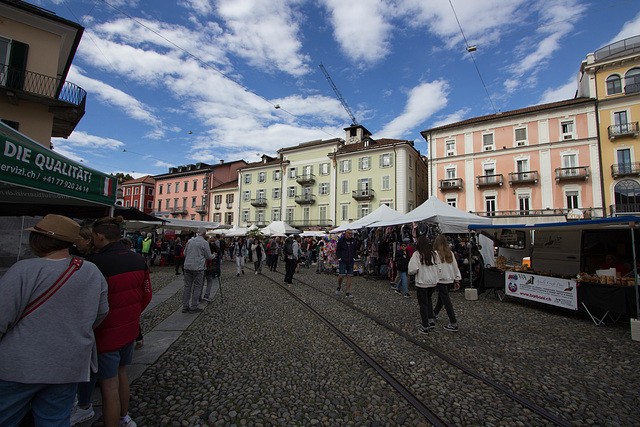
[[395, 173]]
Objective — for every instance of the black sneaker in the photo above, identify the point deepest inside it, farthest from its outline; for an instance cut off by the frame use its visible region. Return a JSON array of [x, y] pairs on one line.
[[423, 330], [431, 326], [242, 271], [451, 327], [397, 291], [348, 295], [338, 291], [407, 295]]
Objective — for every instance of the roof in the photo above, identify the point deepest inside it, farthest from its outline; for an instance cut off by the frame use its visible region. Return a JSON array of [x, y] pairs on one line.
[[260, 163], [311, 144], [143, 180], [526, 110], [226, 185], [373, 143]]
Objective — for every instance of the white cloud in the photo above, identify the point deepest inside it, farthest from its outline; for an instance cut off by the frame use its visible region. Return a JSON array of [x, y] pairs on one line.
[[629, 29], [265, 33], [202, 7], [423, 101], [361, 27], [452, 118], [79, 139], [560, 93]]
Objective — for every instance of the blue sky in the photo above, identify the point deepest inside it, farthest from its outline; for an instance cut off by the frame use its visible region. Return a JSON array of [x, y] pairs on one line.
[[173, 82]]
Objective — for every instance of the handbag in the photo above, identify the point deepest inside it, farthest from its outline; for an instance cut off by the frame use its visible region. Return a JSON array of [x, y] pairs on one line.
[[74, 265]]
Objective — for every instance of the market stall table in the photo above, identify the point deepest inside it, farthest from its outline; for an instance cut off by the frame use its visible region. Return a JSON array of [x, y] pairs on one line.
[[602, 302]]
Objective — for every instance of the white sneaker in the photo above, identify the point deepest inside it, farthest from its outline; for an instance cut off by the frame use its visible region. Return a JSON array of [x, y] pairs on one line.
[[79, 415]]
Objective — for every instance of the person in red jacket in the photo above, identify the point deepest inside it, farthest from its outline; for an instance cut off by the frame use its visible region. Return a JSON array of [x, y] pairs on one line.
[[127, 277]]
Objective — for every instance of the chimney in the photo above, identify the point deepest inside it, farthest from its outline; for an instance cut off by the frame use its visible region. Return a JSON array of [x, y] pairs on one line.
[[221, 161]]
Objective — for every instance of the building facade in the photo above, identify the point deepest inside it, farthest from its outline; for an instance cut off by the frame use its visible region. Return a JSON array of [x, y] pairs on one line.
[[523, 166], [612, 76], [224, 203], [184, 191], [323, 184], [139, 193], [36, 50]]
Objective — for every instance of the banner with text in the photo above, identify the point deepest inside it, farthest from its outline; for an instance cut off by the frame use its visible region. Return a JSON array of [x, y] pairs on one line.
[[26, 163], [545, 289]]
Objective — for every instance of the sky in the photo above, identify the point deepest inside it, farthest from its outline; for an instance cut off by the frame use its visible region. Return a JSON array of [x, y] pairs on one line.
[[176, 82]]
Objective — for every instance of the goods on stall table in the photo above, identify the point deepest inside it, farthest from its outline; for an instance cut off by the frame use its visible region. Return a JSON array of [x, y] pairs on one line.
[[606, 280]]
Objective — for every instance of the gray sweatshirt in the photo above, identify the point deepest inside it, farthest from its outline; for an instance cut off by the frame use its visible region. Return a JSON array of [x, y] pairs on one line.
[[53, 344], [196, 254]]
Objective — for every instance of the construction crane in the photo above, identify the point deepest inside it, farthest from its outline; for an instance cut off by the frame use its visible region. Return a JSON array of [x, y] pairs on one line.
[[335, 89]]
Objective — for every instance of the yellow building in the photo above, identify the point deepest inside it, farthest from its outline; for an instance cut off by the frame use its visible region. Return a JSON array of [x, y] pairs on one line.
[[36, 50], [611, 75]]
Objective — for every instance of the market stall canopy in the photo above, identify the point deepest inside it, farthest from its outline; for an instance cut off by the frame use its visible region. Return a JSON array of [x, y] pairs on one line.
[[36, 181], [279, 228], [313, 234], [172, 224], [383, 213], [591, 224], [434, 210]]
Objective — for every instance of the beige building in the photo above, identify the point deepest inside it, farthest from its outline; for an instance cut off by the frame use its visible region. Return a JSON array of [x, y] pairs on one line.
[[224, 203], [36, 50]]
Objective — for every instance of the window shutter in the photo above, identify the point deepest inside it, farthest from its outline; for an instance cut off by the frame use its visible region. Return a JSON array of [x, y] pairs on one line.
[[17, 64], [381, 158], [360, 159], [390, 159]]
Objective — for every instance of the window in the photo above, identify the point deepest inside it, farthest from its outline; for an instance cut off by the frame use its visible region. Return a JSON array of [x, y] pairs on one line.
[[150, 191], [260, 194], [246, 196], [128, 191], [409, 206], [487, 142], [364, 185], [324, 169], [217, 200], [306, 215], [450, 173], [363, 210], [291, 192], [386, 160], [195, 185], [193, 202], [450, 147], [388, 203], [276, 175], [275, 214], [245, 216], [290, 214], [260, 216], [344, 186], [567, 129], [276, 193], [386, 182], [292, 173], [410, 162], [364, 163], [521, 137], [322, 211], [169, 188], [524, 203], [127, 203], [262, 177], [489, 172], [410, 183], [572, 198], [160, 189], [247, 178], [167, 204], [229, 200], [324, 188], [175, 203], [624, 161], [632, 81], [149, 204], [345, 166], [159, 205], [490, 205], [216, 217], [177, 187], [621, 122], [307, 171], [184, 203], [344, 212], [452, 201], [228, 218], [570, 164], [136, 191], [614, 84], [186, 186], [522, 166], [306, 189]]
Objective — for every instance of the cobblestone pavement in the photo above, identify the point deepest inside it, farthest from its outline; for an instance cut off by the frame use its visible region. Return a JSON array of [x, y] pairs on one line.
[[259, 358]]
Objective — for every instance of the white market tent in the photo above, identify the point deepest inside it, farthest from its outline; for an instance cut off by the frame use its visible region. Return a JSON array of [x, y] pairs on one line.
[[383, 213], [279, 228], [172, 224], [240, 231], [313, 234], [434, 210]]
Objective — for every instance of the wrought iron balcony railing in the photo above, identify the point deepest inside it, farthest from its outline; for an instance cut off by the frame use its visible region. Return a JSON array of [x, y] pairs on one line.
[[529, 177], [179, 211], [451, 184], [623, 130], [363, 194], [300, 223], [201, 208], [575, 173], [632, 88], [260, 202], [625, 169], [588, 212], [306, 179], [624, 209], [39, 84], [489, 180], [306, 199]]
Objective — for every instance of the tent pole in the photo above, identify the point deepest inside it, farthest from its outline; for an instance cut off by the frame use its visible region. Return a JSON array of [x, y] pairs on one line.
[[635, 269], [470, 269], [20, 243]]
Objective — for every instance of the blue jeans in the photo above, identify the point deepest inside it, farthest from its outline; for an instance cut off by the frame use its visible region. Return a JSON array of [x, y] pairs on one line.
[[402, 284], [51, 403]]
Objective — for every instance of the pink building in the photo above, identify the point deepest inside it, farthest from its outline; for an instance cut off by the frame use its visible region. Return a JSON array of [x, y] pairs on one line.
[[139, 193], [520, 165], [184, 191]]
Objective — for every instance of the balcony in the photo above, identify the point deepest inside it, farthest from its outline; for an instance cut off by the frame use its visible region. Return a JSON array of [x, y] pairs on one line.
[[229, 205], [578, 173], [302, 223], [260, 202], [179, 211], [363, 194], [529, 177], [201, 208], [632, 88], [451, 184], [216, 206], [625, 129], [65, 100], [494, 180], [306, 179], [306, 199], [624, 209], [588, 213], [625, 169]]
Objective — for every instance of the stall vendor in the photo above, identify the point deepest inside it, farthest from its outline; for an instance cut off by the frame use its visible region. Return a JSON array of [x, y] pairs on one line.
[[612, 262]]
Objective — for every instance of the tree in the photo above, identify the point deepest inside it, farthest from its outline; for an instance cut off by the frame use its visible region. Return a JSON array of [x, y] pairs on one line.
[[122, 177]]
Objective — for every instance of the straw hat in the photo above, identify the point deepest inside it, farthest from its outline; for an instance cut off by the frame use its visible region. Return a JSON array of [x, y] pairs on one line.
[[58, 227]]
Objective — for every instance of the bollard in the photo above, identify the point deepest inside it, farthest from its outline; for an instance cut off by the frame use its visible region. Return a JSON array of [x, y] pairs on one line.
[[471, 294]]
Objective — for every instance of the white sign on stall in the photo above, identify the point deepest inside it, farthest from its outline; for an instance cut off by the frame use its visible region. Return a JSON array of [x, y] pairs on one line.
[[545, 289]]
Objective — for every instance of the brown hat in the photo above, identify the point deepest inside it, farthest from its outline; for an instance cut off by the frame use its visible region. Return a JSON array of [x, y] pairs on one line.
[[58, 227]]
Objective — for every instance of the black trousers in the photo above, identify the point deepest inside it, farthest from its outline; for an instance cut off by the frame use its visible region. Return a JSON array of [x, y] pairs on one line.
[[290, 269]]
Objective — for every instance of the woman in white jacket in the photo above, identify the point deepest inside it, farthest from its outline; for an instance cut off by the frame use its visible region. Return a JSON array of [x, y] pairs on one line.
[[448, 273], [424, 264]]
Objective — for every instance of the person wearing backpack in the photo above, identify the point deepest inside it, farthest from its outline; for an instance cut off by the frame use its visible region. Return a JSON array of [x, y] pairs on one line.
[[290, 254]]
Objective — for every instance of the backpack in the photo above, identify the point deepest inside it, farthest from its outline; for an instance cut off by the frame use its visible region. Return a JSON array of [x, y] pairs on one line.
[[288, 246]]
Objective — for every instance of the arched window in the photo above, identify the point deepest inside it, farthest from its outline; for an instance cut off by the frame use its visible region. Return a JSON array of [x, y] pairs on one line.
[[627, 196], [614, 84], [632, 81]]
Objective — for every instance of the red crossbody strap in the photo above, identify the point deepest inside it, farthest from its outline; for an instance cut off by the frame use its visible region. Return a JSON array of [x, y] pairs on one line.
[[74, 265]]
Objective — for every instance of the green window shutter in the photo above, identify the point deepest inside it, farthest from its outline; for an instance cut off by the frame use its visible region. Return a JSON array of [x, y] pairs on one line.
[[17, 65], [390, 159]]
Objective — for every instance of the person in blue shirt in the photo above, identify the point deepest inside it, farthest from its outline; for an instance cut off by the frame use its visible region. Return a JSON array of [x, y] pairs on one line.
[[346, 254]]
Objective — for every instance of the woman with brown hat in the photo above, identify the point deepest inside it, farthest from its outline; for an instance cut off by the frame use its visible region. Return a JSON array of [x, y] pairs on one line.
[[48, 308]]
